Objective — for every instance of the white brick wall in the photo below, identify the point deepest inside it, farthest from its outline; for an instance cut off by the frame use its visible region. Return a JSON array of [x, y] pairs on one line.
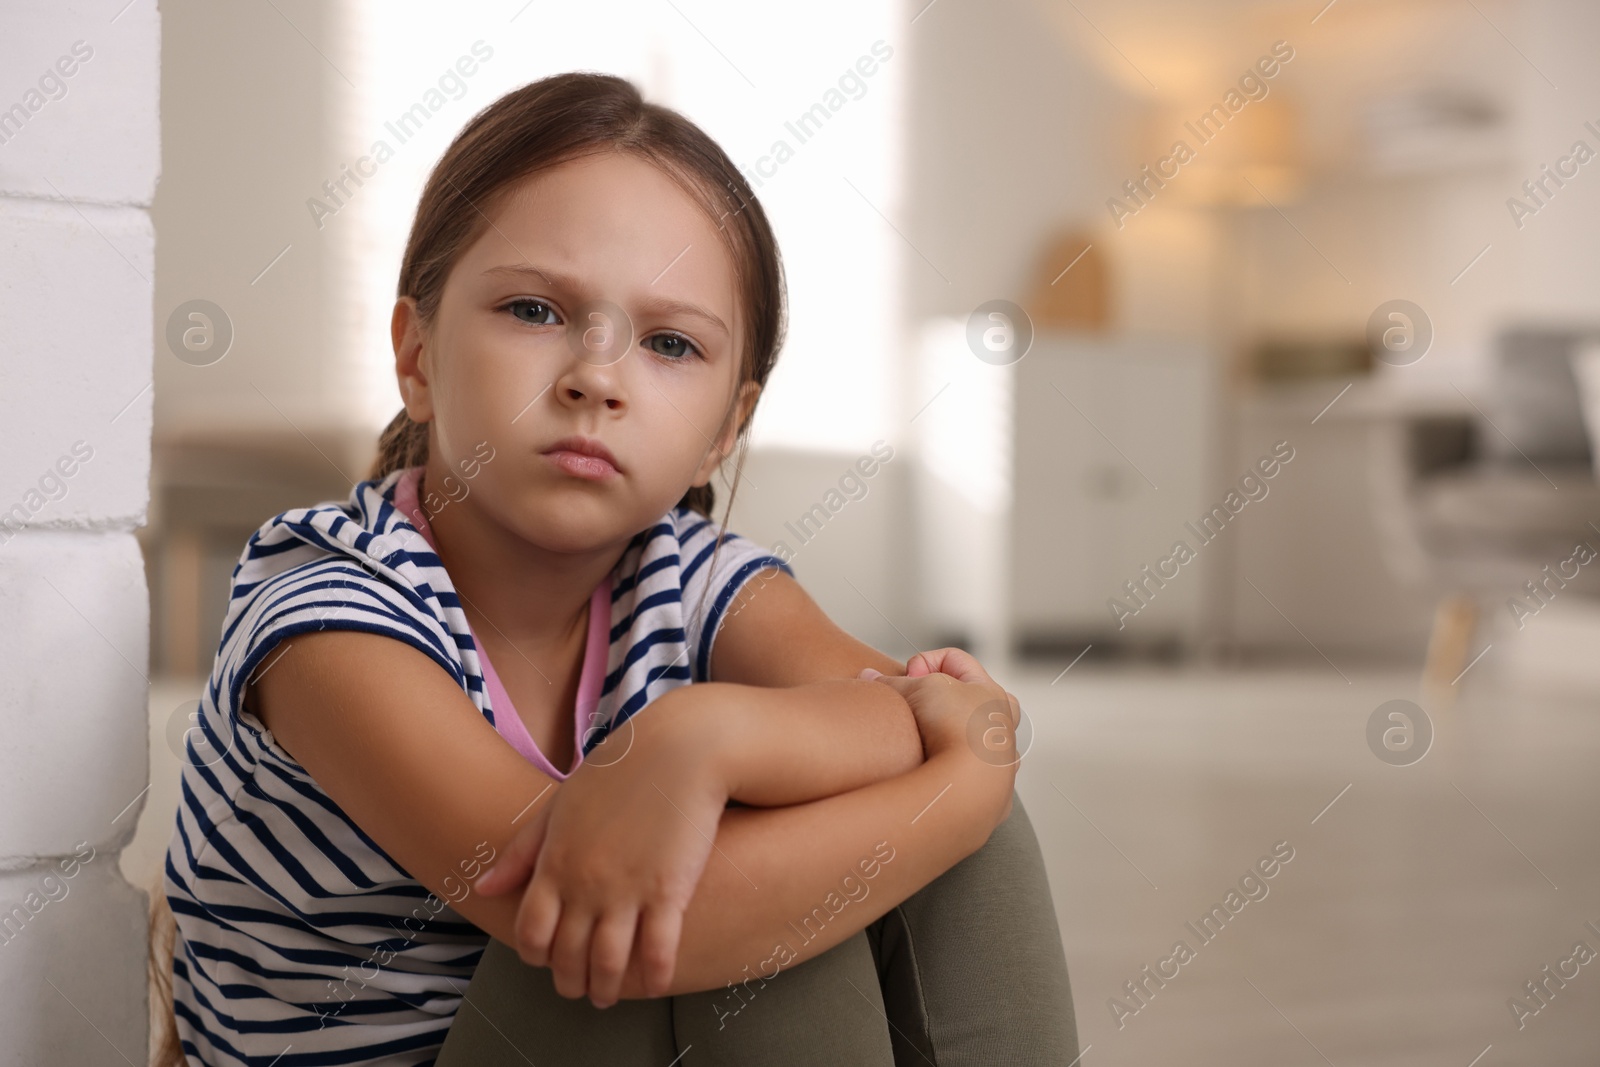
[[79, 159]]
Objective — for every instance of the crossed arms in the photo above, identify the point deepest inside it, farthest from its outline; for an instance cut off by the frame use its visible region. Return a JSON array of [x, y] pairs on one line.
[[832, 766]]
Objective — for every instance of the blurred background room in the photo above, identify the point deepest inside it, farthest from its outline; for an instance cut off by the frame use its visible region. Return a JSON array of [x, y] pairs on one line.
[[1240, 365]]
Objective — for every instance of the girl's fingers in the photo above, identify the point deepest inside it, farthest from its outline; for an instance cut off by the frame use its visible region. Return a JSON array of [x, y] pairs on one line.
[[957, 663], [609, 949], [963, 666], [569, 953], [535, 925], [660, 927], [515, 864]]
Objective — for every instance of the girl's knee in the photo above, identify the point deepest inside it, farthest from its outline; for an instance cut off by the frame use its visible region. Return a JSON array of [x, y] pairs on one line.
[[826, 1009]]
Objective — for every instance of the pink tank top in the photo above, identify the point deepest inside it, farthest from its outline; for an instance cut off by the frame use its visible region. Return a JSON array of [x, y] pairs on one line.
[[506, 720]]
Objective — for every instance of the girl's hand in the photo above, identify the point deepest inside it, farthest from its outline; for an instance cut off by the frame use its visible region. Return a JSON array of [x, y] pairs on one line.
[[956, 662], [947, 690], [967, 710], [617, 851], [960, 665]]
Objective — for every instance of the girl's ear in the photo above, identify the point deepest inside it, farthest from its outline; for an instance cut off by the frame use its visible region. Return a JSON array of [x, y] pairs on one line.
[[405, 330], [748, 393]]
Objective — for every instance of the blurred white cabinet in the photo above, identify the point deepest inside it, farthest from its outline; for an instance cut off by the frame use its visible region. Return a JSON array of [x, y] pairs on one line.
[[1111, 452]]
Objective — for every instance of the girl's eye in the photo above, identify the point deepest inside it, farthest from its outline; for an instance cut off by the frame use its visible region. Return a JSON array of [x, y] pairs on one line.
[[671, 345], [533, 312]]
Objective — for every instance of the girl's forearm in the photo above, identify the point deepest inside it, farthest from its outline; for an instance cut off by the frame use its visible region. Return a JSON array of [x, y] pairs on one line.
[[769, 746], [786, 884], [801, 743]]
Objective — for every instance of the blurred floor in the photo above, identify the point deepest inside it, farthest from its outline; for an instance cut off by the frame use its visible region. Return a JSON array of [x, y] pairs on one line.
[[1393, 937], [1404, 921]]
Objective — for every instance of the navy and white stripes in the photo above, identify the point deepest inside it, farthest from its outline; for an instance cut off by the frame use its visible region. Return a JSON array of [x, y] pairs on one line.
[[300, 942]]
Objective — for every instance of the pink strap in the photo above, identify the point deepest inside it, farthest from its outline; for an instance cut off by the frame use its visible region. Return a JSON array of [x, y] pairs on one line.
[[507, 722]]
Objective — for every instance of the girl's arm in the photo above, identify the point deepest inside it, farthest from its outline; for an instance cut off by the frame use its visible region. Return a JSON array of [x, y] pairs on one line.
[[397, 745], [790, 883], [805, 742], [794, 740], [946, 706], [774, 634], [778, 660], [825, 733]]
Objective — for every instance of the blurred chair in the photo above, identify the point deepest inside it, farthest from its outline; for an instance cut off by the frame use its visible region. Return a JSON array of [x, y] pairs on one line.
[[1475, 509]]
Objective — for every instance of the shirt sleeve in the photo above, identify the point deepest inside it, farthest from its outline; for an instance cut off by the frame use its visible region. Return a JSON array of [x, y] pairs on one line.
[[330, 593], [712, 576]]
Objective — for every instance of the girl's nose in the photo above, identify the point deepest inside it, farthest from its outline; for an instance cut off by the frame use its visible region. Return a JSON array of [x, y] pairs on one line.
[[583, 382], [576, 395]]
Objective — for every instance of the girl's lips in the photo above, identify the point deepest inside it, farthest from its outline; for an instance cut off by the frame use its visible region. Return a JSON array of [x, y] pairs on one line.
[[579, 465]]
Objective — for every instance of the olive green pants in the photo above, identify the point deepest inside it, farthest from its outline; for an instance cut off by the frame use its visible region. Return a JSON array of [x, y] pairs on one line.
[[966, 972]]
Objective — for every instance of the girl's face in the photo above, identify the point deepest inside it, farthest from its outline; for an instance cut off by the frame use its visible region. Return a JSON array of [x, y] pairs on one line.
[[599, 302]]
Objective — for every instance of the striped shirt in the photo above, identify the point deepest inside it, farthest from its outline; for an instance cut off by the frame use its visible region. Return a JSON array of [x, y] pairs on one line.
[[300, 941]]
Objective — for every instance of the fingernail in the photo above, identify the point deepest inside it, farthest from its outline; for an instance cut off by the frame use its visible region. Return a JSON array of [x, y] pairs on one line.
[[869, 674]]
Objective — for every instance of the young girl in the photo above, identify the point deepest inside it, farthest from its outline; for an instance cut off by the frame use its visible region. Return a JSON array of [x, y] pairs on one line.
[[444, 675]]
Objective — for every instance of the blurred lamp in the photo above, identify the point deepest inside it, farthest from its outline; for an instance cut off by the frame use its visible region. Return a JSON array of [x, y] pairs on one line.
[[1250, 156]]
